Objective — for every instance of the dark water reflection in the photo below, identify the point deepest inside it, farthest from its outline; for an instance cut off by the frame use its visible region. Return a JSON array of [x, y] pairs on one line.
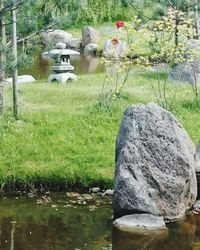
[[26, 225], [41, 67]]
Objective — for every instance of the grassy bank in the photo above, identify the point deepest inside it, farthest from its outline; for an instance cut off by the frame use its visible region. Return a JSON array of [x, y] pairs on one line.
[[64, 139]]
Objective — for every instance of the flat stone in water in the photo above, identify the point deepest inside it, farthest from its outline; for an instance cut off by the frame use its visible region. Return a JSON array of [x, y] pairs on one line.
[[140, 223], [197, 160]]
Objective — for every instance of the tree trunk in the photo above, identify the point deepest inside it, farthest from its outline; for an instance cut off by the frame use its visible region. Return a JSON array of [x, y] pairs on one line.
[[197, 23], [176, 29], [15, 72], [2, 58]]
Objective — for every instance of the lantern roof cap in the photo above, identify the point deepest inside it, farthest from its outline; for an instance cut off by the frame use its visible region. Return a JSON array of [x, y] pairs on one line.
[[61, 52]]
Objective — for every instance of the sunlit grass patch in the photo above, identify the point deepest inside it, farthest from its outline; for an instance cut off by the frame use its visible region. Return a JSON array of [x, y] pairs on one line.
[[65, 138]]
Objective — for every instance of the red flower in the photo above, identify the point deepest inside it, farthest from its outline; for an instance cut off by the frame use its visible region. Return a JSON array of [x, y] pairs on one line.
[[120, 24], [115, 41]]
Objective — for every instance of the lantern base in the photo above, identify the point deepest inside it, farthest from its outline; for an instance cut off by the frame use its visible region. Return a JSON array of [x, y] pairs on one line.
[[62, 77]]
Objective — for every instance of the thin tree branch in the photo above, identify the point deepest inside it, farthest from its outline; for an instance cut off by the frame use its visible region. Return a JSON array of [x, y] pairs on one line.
[[136, 9], [170, 3], [31, 35], [11, 5]]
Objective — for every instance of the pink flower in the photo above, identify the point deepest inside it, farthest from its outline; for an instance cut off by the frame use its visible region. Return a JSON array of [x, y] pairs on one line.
[[120, 24]]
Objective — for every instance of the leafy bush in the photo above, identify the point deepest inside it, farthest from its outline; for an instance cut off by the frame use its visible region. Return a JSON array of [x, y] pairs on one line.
[[95, 11]]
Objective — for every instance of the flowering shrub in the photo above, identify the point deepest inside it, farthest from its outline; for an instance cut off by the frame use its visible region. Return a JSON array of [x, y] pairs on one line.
[[116, 75], [119, 64], [167, 41]]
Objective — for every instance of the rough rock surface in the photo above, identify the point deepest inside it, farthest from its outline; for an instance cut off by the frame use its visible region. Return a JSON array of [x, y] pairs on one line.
[[22, 79], [197, 159], [155, 166], [185, 73], [196, 207], [188, 72], [60, 46], [91, 48], [74, 43], [114, 51], [193, 44], [139, 222], [108, 192], [89, 35], [56, 36]]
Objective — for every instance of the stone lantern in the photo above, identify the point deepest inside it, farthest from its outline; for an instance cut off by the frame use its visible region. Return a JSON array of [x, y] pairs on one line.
[[62, 69]]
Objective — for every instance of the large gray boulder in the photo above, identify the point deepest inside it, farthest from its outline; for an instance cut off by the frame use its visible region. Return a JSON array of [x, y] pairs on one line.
[[74, 43], [189, 71], [89, 35], [53, 37], [186, 73], [155, 166], [196, 208], [60, 46], [197, 157]]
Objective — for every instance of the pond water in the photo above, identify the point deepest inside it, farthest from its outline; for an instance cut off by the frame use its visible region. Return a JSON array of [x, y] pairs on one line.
[[40, 68], [59, 222], [54, 223]]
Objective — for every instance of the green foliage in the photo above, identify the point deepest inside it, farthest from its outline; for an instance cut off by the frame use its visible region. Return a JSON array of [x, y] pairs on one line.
[[67, 13], [94, 12], [170, 38], [119, 62]]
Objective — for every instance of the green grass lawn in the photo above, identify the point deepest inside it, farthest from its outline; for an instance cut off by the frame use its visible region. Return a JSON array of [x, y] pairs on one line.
[[64, 139]]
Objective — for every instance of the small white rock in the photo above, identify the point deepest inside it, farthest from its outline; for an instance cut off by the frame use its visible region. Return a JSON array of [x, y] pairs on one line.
[[95, 190], [108, 192], [22, 79]]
